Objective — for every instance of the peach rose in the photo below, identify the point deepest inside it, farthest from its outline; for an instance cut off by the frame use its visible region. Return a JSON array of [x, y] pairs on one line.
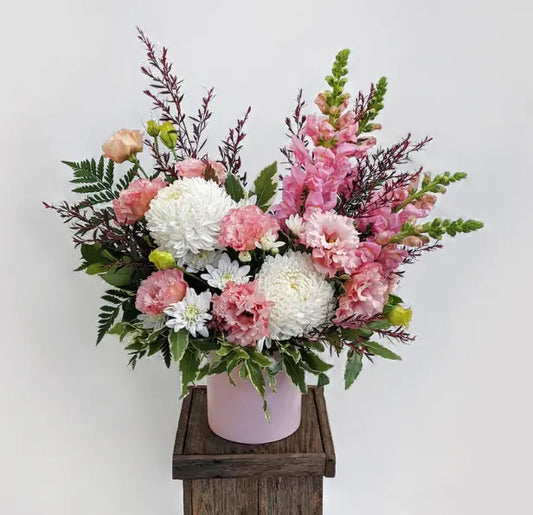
[[122, 145]]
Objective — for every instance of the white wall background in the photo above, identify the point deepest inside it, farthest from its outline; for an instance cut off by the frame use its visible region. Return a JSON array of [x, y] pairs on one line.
[[448, 430]]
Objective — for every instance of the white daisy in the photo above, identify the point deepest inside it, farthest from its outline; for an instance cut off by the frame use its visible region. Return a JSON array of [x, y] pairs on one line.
[[225, 271], [199, 261], [303, 299], [191, 313], [185, 218]]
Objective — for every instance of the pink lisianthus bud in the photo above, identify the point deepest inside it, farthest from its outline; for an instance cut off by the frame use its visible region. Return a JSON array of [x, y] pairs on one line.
[[122, 145], [196, 168]]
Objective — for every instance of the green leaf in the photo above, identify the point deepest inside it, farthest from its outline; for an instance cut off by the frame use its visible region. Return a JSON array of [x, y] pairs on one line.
[[394, 299], [188, 366], [314, 362], [118, 277], [96, 268], [224, 350], [266, 186], [379, 350], [234, 187], [205, 345], [91, 253], [256, 377], [323, 380], [178, 341], [296, 373], [354, 364], [260, 359]]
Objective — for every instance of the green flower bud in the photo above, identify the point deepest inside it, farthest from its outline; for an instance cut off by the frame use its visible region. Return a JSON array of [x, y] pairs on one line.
[[152, 128], [399, 315], [162, 260], [168, 135]]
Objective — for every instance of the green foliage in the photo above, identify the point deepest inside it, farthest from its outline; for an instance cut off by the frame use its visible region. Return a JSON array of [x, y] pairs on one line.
[[98, 261], [379, 350], [266, 186], [437, 228], [234, 188], [295, 372], [375, 105], [337, 80], [354, 364], [189, 365], [110, 311], [178, 342], [96, 180], [436, 184]]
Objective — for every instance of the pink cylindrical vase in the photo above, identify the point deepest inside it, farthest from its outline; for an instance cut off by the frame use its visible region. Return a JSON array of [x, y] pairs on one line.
[[236, 412]]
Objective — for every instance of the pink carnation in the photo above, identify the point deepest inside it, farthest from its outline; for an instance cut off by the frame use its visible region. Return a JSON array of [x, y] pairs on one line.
[[365, 296], [334, 241], [243, 227], [196, 168], [160, 290], [134, 201], [242, 313]]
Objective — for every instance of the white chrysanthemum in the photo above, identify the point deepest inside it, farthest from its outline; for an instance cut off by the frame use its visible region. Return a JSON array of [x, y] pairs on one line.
[[185, 218], [226, 271], [191, 313], [302, 298], [196, 262]]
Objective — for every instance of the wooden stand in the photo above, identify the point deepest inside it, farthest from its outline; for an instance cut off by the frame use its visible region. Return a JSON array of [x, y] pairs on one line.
[[278, 478]]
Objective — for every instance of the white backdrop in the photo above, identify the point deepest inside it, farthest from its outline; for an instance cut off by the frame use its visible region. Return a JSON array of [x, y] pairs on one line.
[[446, 431]]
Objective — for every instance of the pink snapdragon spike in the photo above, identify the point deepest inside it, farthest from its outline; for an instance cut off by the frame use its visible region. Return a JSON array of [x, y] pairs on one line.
[[244, 226], [160, 290], [134, 201], [318, 174], [365, 296], [242, 313], [334, 242]]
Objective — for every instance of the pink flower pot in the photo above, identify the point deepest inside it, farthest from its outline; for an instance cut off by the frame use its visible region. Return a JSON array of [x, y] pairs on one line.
[[236, 412]]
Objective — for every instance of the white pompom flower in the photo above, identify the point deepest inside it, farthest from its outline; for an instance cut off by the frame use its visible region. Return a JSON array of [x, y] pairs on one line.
[[303, 299], [185, 218]]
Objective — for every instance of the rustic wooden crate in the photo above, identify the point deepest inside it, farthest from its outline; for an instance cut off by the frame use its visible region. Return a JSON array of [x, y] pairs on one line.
[[278, 478]]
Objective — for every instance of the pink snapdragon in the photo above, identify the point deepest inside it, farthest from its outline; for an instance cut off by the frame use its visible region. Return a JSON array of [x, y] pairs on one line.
[[242, 313], [244, 226], [197, 168], [134, 201], [160, 290], [333, 240], [365, 295], [391, 257]]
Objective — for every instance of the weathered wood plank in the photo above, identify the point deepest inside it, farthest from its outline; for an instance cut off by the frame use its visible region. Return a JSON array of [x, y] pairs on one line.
[[187, 497], [325, 432], [235, 496], [181, 433], [290, 495], [246, 465]]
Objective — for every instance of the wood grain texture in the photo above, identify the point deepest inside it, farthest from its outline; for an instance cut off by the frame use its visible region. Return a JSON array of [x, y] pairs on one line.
[[246, 465], [234, 496], [290, 496], [277, 478], [327, 440]]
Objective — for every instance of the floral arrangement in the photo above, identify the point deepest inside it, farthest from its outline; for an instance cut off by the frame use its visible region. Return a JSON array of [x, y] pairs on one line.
[[217, 274]]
